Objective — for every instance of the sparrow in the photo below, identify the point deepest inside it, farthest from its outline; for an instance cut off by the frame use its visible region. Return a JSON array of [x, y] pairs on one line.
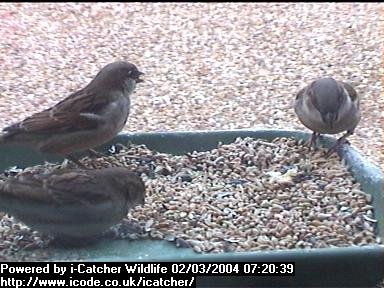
[[72, 205], [327, 106], [85, 119]]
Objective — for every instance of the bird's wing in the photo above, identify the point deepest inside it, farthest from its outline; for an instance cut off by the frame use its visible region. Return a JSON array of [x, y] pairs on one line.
[[24, 189], [300, 94], [79, 187], [65, 188], [76, 112], [351, 91]]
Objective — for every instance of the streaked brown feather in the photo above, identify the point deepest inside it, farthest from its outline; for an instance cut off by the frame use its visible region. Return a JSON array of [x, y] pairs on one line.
[[351, 91], [63, 117], [54, 189]]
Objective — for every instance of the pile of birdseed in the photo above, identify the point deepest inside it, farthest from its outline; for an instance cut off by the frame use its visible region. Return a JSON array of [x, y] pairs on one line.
[[246, 196]]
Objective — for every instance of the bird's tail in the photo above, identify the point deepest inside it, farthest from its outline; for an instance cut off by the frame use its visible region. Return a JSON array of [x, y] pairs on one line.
[[4, 136], [3, 197], [9, 202]]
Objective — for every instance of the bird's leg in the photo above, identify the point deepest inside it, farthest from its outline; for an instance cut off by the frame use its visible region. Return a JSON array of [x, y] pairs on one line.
[[94, 153], [341, 140], [77, 162], [312, 142], [124, 230]]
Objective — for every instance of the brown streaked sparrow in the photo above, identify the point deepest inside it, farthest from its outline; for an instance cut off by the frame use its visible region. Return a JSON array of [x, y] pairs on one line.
[[85, 119], [327, 106], [72, 204]]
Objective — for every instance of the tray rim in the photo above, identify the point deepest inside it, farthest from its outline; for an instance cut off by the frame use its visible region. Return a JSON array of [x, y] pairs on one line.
[[324, 141]]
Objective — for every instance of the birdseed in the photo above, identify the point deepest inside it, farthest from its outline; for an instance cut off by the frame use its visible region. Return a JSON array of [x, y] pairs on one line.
[[249, 195]]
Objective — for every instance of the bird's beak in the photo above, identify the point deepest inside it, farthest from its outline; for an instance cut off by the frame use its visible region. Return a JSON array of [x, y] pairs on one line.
[[138, 79]]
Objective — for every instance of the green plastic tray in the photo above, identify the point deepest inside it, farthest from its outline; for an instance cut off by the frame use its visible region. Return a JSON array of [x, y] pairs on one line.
[[340, 267]]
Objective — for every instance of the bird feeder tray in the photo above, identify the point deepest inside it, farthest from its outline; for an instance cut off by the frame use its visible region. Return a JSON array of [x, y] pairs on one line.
[[321, 267]]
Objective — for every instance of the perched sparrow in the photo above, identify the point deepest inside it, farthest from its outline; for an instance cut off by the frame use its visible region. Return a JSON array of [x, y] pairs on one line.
[[327, 106], [83, 120], [72, 204]]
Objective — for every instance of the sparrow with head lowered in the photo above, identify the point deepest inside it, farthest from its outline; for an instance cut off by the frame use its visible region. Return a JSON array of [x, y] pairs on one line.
[[72, 205], [327, 106], [85, 119]]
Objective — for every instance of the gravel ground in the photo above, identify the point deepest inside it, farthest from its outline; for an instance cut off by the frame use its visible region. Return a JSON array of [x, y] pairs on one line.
[[207, 65]]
